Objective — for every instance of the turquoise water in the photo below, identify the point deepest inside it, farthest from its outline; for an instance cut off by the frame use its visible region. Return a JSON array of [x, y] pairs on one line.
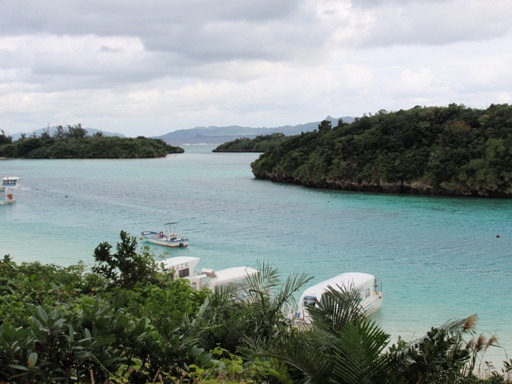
[[438, 258]]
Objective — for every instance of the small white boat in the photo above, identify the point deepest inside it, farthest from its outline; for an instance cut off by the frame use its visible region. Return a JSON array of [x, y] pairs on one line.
[[370, 293], [184, 268], [11, 182], [169, 238], [6, 197]]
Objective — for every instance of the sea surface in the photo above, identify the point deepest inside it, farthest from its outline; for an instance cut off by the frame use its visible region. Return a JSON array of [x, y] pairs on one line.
[[438, 258]]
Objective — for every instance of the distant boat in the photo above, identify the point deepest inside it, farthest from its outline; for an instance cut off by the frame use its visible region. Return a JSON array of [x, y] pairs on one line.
[[168, 238], [11, 182], [6, 197], [366, 285], [184, 268]]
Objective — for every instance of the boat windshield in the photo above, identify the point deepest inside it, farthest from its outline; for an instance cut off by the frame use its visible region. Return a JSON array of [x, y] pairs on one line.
[[10, 181]]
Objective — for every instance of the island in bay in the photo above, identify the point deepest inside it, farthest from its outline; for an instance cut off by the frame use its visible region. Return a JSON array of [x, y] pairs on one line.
[[74, 142], [453, 150]]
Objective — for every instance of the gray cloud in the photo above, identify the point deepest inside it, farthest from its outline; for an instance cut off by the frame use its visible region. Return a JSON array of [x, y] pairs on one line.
[[114, 64]]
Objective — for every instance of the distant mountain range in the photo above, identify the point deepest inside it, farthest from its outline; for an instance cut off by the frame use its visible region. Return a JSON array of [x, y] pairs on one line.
[[213, 134], [220, 135]]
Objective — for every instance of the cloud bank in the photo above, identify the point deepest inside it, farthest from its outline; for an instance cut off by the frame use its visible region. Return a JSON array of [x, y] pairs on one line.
[[148, 68]]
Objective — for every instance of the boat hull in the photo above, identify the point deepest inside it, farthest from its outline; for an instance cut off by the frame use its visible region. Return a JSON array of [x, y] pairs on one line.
[[373, 305]]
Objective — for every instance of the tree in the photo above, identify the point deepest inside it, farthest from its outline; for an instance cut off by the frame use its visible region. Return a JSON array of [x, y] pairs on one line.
[[126, 267], [324, 126], [77, 132], [5, 138], [59, 132]]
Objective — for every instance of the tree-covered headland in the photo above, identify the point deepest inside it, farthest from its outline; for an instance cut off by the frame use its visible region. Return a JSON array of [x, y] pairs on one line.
[[74, 142], [262, 143], [128, 320], [451, 150]]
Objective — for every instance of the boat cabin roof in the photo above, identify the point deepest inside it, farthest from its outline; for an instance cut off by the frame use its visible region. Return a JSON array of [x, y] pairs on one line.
[[180, 261], [234, 274], [10, 180], [347, 280]]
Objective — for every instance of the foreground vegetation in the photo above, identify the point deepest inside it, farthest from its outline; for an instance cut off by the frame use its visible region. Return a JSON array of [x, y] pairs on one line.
[[128, 321], [260, 143], [74, 142], [450, 150]]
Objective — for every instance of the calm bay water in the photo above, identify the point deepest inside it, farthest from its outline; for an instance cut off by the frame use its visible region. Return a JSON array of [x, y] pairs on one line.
[[438, 258]]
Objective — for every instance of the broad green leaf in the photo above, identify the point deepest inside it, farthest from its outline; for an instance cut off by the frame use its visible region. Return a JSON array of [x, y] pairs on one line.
[[43, 316], [19, 367]]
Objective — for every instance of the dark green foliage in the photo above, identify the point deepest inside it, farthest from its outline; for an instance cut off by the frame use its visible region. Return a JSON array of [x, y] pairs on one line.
[[75, 143], [126, 267], [450, 150], [261, 143], [5, 138], [64, 324]]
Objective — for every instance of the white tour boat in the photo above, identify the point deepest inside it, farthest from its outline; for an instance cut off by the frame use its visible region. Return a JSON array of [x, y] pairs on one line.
[[169, 238], [11, 182], [184, 268], [365, 284]]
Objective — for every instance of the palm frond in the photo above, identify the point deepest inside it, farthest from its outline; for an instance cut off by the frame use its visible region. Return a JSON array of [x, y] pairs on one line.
[[337, 307], [307, 356], [292, 284], [358, 353]]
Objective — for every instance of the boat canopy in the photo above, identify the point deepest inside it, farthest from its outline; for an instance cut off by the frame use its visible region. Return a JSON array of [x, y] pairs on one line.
[[346, 280], [180, 260]]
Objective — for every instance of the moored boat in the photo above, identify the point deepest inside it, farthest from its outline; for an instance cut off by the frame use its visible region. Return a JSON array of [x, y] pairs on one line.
[[369, 291], [184, 267], [169, 238]]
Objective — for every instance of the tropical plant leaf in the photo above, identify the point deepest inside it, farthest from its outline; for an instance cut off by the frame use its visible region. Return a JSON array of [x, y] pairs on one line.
[[358, 353]]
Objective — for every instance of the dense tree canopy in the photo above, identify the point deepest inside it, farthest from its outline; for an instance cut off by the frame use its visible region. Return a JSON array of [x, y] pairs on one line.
[[451, 150], [260, 143], [74, 142]]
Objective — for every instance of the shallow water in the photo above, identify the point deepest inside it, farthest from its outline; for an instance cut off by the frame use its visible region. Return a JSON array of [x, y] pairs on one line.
[[438, 258]]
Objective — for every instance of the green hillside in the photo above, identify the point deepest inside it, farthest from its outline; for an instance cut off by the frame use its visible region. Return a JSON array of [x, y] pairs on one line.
[[451, 150], [74, 142], [261, 143]]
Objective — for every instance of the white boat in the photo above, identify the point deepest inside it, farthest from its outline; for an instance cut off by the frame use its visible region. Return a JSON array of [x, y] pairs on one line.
[[6, 197], [11, 182], [184, 268], [370, 293], [169, 238]]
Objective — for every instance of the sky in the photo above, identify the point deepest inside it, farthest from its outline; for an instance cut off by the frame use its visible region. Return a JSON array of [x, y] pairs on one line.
[[155, 66]]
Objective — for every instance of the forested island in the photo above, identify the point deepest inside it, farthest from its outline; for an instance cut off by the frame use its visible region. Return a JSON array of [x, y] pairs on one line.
[[129, 320], [451, 150], [75, 143], [261, 143]]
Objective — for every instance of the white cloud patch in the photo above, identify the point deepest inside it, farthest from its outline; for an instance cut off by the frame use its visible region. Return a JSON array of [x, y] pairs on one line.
[[437, 23]]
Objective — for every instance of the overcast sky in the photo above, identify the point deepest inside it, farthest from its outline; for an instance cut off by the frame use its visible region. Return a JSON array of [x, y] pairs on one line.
[[154, 66]]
